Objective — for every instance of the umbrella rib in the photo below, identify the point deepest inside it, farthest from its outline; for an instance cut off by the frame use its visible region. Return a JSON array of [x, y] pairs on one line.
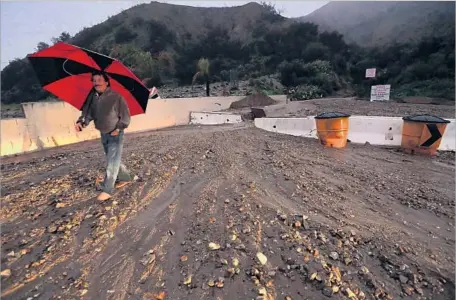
[[85, 49], [63, 67], [65, 70]]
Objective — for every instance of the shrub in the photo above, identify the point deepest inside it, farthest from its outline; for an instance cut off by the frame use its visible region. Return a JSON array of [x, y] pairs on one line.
[[315, 74], [124, 35], [306, 92], [315, 51], [142, 63]]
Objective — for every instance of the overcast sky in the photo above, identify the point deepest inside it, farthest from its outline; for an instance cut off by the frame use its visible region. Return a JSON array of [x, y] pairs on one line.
[[26, 23]]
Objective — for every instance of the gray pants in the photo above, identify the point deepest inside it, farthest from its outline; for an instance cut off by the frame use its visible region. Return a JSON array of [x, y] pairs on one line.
[[113, 146]]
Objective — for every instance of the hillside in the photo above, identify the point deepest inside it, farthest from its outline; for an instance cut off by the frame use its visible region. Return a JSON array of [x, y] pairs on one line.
[[162, 44], [374, 23], [156, 26]]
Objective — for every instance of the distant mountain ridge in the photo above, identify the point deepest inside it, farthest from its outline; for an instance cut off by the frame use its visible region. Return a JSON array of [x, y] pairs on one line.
[[374, 23]]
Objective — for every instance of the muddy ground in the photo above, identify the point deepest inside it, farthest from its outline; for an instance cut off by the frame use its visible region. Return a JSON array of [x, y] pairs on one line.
[[353, 107], [229, 212], [367, 108]]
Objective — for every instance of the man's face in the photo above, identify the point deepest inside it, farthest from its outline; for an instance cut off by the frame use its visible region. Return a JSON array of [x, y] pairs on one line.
[[99, 83]]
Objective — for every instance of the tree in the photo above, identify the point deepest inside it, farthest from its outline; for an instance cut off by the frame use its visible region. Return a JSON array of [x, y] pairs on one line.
[[203, 70], [42, 46], [124, 35], [315, 51], [333, 40], [160, 37], [140, 62], [138, 22], [271, 13], [166, 66], [20, 84], [63, 37]]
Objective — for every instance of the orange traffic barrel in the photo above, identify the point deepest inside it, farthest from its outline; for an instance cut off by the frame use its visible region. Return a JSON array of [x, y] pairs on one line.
[[332, 129], [422, 134]]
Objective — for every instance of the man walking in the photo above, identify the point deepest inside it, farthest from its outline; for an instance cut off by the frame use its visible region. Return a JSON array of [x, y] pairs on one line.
[[110, 113]]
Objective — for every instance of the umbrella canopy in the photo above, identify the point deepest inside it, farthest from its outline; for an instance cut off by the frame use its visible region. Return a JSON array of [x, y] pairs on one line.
[[65, 70]]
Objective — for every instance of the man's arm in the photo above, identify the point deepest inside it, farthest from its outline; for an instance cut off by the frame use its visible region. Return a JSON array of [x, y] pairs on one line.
[[123, 113], [86, 116]]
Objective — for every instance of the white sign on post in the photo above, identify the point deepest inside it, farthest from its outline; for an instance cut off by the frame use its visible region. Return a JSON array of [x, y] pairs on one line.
[[380, 92], [370, 73]]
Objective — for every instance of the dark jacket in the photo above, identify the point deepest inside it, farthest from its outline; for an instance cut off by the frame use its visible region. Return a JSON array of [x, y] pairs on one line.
[[109, 111]]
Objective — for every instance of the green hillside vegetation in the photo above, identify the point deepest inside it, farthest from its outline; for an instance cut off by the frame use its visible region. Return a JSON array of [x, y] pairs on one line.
[[163, 44]]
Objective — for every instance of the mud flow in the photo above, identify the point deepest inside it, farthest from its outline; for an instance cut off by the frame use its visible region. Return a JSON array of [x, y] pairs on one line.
[[229, 212]]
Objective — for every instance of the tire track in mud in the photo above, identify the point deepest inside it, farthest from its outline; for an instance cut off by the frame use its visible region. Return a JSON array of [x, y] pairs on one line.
[[156, 230], [70, 252]]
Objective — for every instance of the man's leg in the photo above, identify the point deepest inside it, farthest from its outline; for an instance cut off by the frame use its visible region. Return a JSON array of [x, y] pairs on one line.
[[124, 177], [124, 174], [113, 156], [104, 141]]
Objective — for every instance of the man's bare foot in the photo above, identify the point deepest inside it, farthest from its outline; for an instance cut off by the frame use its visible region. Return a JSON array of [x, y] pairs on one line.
[[98, 182], [103, 196], [121, 184]]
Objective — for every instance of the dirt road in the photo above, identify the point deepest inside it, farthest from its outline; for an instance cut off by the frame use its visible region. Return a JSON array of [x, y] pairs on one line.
[[364, 108], [382, 108], [229, 213]]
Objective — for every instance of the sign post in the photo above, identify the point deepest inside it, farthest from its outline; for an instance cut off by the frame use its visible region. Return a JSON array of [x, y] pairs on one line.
[[380, 92], [370, 73]]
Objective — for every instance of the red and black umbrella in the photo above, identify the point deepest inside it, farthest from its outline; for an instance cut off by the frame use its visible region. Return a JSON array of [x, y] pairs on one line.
[[65, 70]]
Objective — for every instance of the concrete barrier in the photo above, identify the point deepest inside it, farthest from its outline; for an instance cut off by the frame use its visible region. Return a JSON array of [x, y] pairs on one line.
[[375, 130], [214, 118], [449, 137], [15, 136], [304, 127], [50, 124], [385, 131]]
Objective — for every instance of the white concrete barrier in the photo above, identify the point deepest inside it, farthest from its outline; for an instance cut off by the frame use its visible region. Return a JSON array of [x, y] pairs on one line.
[[293, 126], [50, 124], [375, 130], [385, 131], [448, 142], [214, 118]]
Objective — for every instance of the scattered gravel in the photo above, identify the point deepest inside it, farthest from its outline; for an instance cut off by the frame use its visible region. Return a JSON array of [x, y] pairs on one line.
[[231, 213]]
